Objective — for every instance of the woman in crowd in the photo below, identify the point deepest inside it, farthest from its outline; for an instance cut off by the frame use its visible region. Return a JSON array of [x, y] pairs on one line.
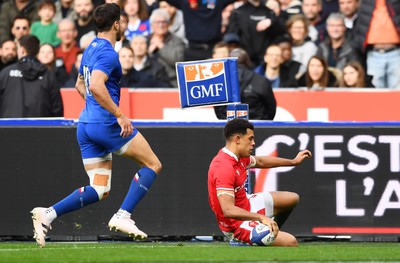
[[354, 76], [47, 56], [303, 48], [317, 75], [138, 18]]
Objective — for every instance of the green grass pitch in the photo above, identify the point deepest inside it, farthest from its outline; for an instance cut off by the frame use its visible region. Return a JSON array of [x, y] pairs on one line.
[[27, 252]]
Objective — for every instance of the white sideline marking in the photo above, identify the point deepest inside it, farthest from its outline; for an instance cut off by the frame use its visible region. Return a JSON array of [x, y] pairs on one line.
[[76, 248]]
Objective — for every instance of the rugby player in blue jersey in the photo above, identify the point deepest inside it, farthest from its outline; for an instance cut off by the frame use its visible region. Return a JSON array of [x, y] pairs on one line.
[[102, 130]]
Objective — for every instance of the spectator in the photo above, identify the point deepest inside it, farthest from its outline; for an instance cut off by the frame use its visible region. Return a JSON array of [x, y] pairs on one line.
[[123, 23], [47, 56], [349, 9], [68, 48], [275, 70], [303, 49], [226, 14], [255, 91], [312, 11], [165, 46], [176, 25], [295, 68], [232, 40], [329, 7], [133, 78], [142, 62], [289, 7], [121, 3], [203, 20], [8, 53], [377, 34], [73, 75], [13, 8], [64, 9], [83, 23], [138, 18], [337, 49], [221, 50], [46, 29], [27, 88], [354, 76], [317, 75], [257, 26], [20, 27]]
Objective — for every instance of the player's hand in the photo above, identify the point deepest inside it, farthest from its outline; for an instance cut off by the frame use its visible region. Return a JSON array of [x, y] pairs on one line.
[[301, 156], [272, 225], [126, 126]]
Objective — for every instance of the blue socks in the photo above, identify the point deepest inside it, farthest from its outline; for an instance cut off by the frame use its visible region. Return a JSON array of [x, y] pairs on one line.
[[87, 195], [140, 185], [79, 198]]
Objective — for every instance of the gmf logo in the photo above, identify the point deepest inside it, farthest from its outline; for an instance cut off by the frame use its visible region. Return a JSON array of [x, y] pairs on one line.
[[203, 71]]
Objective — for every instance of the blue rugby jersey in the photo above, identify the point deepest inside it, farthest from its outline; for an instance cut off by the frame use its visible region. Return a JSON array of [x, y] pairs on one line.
[[100, 55]]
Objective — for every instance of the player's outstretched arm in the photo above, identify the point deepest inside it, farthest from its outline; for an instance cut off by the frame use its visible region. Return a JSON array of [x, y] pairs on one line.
[[272, 161]]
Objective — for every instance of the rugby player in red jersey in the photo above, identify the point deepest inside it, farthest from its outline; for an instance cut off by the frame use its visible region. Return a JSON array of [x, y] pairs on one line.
[[238, 213]]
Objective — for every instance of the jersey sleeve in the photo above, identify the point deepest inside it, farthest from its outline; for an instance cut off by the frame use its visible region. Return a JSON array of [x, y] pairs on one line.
[[106, 62], [247, 162]]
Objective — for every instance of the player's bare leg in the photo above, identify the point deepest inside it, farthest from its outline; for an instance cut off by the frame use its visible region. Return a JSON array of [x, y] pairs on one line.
[[140, 151], [285, 239], [284, 202]]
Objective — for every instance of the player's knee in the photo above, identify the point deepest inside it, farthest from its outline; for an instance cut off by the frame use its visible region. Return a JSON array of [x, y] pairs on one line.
[[100, 180], [293, 199], [156, 166], [291, 242], [285, 239], [101, 191]]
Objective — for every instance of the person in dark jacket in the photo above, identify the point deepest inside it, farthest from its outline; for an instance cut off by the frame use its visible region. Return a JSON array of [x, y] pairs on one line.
[[255, 91], [336, 49], [143, 63], [131, 78], [277, 73], [27, 88], [203, 20], [13, 8], [257, 26]]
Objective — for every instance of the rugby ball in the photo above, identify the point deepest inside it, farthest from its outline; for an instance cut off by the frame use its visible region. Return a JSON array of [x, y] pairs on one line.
[[261, 235]]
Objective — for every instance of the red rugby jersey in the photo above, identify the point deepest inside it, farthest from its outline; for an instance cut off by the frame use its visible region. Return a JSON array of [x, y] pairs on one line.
[[228, 172]]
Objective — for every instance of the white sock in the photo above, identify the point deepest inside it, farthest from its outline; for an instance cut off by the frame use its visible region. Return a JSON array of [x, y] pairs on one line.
[[123, 214], [51, 214]]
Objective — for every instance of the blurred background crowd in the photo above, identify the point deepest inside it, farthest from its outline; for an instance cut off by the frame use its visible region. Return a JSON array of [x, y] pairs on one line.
[[279, 43]]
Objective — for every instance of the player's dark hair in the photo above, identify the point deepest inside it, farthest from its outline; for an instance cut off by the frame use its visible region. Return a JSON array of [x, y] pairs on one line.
[[237, 126], [105, 15], [31, 44]]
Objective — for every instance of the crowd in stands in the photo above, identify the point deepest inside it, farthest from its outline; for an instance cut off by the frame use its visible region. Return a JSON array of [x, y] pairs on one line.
[[290, 43]]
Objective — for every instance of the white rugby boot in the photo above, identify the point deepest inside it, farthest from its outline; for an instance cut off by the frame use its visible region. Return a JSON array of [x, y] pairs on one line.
[[41, 225], [127, 226]]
